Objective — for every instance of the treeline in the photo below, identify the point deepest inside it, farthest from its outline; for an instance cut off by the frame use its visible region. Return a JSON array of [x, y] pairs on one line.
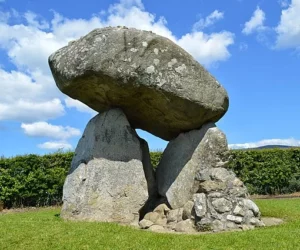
[[34, 180]]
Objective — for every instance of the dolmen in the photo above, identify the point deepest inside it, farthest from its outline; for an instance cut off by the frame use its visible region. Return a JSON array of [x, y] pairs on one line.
[[139, 80]]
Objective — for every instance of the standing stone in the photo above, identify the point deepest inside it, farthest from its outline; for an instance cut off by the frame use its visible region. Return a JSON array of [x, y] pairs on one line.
[[158, 85], [184, 157], [107, 180]]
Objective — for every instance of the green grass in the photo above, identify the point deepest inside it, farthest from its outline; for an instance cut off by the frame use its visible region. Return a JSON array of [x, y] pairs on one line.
[[43, 229]]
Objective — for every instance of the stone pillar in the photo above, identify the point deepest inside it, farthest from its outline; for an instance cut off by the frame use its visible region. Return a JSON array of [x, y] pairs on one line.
[[107, 179]]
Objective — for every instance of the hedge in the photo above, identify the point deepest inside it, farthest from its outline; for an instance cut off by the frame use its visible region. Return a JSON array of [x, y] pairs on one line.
[[268, 171], [34, 180]]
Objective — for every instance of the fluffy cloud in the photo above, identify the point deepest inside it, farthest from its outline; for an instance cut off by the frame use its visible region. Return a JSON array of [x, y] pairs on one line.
[[284, 142], [208, 48], [29, 93], [28, 111], [28, 97], [44, 129], [81, 107], [55, 145], [209, 20], [256, 22], [288, 29]]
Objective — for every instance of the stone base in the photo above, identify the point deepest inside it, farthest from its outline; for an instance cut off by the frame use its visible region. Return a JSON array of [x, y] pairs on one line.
[[201, 193]]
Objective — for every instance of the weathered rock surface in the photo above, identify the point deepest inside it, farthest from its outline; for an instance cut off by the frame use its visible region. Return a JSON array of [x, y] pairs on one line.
[[107, 180], [184, 158], [193, 177], [158, 85]]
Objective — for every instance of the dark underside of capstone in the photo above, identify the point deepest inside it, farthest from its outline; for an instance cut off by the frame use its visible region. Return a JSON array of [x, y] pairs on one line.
[[157, 84]]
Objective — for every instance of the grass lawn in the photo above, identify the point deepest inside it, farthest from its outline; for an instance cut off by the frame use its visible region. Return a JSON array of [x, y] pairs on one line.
[[43, 229]]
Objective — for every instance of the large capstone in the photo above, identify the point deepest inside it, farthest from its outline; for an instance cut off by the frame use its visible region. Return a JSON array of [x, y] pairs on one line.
[[158, 85], [108, 177]]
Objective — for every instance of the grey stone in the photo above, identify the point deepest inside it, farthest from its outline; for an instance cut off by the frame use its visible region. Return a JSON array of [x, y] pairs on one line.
[[237, 182], [222, 164], [222, 205], [200, 205], [210, 186], [175, 215], [238, 210], [106, 181], [145, 224], [205, 224], [203, 175], [171, 225], [183, 158], [238, 192], [217, 226], [157, 228], [267, 221], [188, 209], [186, 226], [215, 195], [162, 209], [236, 219], [152, 216], [231, 225], [161, 222], [251, 206], [221, 174], [160, 87]]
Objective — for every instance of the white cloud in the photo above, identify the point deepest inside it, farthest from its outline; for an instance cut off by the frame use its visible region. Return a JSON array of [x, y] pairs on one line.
[[209, 20], [208, 48], [28, 111], [284, 3], [256, 22], [29, 94], [56, 145], [288, 29], [81, 107], [28, 97], [32, 20], [4, 16], [44, 129], [284, 142]]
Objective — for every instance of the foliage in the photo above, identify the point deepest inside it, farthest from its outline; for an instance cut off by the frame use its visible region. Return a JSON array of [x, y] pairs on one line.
[[155, 158], [268, 171], [33, 180]]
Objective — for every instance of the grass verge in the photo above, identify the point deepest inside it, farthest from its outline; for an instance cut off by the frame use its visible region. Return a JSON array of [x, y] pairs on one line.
[[43, 229]]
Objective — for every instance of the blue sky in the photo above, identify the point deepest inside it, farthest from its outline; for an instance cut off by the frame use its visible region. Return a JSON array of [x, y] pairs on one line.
[[251, 47]]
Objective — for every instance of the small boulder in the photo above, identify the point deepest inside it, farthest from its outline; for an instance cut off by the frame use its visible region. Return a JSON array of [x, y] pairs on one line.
[[152, 216], [145, 224], [188, 209], [186, 226], [222, 205]]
